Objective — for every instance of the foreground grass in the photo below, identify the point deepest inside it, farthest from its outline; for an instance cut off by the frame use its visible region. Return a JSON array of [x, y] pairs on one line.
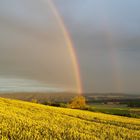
[[27, 121]]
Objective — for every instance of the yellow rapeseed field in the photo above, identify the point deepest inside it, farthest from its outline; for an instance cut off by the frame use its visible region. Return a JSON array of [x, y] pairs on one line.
[[29, 121]]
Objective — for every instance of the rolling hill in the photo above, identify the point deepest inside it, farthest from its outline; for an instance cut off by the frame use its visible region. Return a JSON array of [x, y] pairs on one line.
[[21, 120]]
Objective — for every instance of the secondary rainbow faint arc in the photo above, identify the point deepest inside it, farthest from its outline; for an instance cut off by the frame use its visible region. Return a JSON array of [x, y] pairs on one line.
[[69, 45]]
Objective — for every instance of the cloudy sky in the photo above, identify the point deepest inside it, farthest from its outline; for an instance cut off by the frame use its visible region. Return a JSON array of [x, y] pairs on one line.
[[34, 55]]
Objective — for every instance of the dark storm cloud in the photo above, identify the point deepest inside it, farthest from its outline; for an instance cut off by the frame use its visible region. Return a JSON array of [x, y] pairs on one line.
[[105, 34], [32, 47], [107, 39]]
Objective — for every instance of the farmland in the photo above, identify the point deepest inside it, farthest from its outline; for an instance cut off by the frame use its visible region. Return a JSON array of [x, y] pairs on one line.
[[23, 120], [121, 110]]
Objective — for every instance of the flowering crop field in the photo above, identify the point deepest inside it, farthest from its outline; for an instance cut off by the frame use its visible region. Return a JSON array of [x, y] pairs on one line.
[[21, 120]]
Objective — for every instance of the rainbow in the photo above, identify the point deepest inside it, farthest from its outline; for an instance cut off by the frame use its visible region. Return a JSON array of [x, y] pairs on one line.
[[70, 46], [115, 62]]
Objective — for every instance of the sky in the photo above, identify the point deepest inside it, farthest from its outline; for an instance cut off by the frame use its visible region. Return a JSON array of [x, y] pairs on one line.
[[105, 35]]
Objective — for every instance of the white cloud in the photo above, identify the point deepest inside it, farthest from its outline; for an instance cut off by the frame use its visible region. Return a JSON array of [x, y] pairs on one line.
[[26, 85]]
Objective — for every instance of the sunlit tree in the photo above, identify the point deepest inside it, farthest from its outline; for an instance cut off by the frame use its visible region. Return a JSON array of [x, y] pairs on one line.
[[78, 102]]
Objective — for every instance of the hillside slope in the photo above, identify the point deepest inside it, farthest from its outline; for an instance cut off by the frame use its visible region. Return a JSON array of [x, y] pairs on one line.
[[28, 121]]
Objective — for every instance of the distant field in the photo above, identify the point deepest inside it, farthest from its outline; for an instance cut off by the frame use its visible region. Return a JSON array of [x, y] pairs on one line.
[[40, 97], [28, 121], [65, 97], [121, 110]]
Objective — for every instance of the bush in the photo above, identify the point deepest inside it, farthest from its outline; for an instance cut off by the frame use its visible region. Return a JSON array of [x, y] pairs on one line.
[[55, 104], [34, 101]]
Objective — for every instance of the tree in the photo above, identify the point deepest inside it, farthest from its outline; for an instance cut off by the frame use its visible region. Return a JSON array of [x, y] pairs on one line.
[[78, 102]]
